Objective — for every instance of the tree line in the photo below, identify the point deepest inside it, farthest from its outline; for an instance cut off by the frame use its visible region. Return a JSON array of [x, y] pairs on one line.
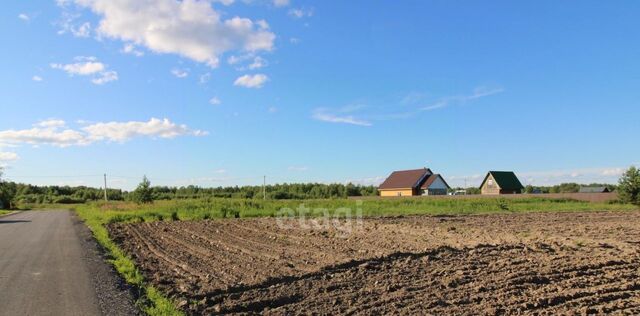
[[12, 193]]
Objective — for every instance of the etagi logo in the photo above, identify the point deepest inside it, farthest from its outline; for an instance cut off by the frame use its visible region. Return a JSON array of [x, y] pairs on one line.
[[343, 219]]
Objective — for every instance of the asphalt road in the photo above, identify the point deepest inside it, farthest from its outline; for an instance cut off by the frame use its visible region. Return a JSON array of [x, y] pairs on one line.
[[43, 266]]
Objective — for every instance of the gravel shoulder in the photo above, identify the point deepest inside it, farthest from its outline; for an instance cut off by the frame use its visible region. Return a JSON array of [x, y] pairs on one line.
[[114, 295]]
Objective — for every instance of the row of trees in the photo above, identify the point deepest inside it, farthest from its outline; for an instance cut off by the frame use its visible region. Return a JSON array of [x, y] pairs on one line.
[[12, 193]]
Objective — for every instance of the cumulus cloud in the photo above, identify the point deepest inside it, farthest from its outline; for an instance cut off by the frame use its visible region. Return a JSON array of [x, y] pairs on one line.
[[88, 66], [24, 17], [189, 28], [36, 78], [55, 132], [325, 115], [251, 81], [180, 73], [123, 131]]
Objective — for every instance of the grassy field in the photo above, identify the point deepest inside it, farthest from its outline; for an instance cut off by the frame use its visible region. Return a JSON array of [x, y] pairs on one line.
[[97, 215]]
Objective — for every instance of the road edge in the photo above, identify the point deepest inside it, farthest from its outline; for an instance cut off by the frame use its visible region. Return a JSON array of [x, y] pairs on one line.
[[113, 294]]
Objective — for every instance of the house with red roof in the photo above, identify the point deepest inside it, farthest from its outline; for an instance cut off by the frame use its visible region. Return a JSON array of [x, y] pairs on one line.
[[413, 182]]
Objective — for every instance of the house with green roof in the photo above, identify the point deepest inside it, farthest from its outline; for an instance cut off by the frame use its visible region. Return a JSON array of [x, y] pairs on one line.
[[501, 182]]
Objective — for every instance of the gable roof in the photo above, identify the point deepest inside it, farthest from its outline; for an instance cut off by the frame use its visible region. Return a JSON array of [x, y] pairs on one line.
[[594, 190], [405, 179], [506, 180], [431, 179]]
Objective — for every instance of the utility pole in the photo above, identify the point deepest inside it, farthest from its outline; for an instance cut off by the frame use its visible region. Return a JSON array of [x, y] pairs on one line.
[[264, 187], [105, 188]]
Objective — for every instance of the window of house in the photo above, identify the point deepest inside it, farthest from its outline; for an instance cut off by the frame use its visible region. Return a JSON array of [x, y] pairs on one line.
[[399, 193], [490, 183]]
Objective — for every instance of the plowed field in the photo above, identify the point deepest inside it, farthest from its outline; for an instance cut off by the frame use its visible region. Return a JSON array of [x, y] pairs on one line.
[[534, 263]]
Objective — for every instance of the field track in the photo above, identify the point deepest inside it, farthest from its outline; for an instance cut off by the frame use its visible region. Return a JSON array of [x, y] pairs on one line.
[[547, 263]]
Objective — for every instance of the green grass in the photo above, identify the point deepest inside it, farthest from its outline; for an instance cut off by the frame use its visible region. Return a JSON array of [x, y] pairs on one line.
[[3, 212], [97, 215], [151, 300]]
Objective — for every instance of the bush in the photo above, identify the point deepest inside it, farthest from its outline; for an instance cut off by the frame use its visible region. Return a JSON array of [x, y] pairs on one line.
[[629, 186]]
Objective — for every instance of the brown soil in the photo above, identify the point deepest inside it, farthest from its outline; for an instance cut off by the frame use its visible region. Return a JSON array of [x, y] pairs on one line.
[[535, 263]]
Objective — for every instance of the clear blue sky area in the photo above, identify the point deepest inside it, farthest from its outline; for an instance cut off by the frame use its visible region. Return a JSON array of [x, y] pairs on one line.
[[223, 92]]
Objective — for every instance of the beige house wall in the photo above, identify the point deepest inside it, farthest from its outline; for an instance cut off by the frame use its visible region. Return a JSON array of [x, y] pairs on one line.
[[488, 189]]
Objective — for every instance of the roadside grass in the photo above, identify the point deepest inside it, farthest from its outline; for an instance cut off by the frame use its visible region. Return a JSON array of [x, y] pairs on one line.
[[3, 212], [153, 302]]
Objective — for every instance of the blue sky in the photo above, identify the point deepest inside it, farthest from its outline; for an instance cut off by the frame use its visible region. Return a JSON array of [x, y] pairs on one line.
[[223, 92]]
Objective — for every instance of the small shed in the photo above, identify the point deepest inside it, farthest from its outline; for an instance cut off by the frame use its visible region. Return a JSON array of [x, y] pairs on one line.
[[594, 190], [501, 182]]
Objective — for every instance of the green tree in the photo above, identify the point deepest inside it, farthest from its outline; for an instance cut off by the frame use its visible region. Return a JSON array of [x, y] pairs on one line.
[[629, 186], [143, 193]]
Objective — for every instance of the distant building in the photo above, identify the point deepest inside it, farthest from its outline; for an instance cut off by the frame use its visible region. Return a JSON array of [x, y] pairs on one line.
[[413, 183], [501, 182], [594, 190]]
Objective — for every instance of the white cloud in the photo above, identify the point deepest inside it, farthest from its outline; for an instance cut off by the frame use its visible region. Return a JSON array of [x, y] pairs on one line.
[[219, 171], [84, 66], [272, 109], [24, 17], [84, 30], [294, 40], [54, 132], [68, 24], [251, 81], [258, 63], [478, 93], [51, 123], [123, 131], [88, 66], [300, 13], [281, 3], [298, 168], [180, 73], [215, 101], [324, 115], [132, 50], [105, 77], [53, 136], [8, 156], [189, 28], [36, 78]]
